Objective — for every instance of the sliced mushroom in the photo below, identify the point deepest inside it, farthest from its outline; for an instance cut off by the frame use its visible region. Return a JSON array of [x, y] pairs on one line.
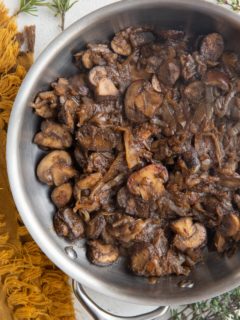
[[126, 229], [196, 240], [191, 160], [96, 54], [219, 242], [156, 84], [148, 181], [55, 168], [68, 224], [97, 139], [99, 161], [87, 59], [67, 114], [217, 79], [188, 66], [230, 225], [80, 157], [89, 181], [61, 87], [169, 72], [144, 261], [212, 46], [195, 91], [61, 195], [53, 136], [45, 104], [171, 34], [95, 227], [231, 61], [101, 254], [121, 43], [140, 37], [106, 89], [131, 149], [133, 206], [96, 74], [141, 101], [184, 227]]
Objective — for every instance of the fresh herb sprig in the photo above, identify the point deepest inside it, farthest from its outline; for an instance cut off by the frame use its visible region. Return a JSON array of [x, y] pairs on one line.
[[30, 6], [226, 306], [234, 4], [60, 7]]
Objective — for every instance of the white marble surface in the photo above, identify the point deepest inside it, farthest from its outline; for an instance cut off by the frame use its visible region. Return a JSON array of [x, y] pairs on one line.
[[47, 28]]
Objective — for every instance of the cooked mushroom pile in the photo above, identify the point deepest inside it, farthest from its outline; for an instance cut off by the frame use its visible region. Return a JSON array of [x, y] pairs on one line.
[[143, 150]]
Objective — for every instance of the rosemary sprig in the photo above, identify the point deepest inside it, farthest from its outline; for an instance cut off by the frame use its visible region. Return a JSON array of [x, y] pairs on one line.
[[60, 7], [234, 4], [30, 6]]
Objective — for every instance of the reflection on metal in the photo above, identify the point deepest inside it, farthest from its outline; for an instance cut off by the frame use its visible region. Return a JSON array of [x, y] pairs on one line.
[[71, 252], [186, 284]]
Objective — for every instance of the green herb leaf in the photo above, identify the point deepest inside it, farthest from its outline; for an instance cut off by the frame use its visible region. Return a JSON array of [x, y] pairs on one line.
[[234, 4], [30, 6], [60, 7], [226, 306]]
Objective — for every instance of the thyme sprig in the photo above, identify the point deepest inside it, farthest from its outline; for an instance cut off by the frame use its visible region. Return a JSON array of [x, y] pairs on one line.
[[30, 6], [226, 306], [60, 7], [234, 4]]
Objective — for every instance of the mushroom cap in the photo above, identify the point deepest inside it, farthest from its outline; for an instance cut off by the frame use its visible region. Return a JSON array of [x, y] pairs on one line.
[[148, 181], [141, 101], [212, 46], [184, 227], [102, 254], [61, 195], [197, 239], [55, 168], [230, 225]]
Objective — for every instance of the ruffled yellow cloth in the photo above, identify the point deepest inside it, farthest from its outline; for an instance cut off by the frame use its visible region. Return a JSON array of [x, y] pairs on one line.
[[31, 287]]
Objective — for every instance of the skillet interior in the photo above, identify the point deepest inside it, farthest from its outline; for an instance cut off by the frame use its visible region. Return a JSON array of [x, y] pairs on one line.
[[213, 277]]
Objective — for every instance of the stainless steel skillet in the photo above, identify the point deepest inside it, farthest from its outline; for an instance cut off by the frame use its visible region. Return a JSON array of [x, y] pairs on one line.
[[212, 278]]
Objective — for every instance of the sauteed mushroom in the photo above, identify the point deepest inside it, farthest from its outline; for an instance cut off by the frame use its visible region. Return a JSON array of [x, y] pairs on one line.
[[169, 72], [95, 227], [197, 239], [218, 79], [61, 195], [53, 136], [195, 91], [106, 89], [102, 254], [121, 44], [97, 139], [45, 104], [148, 182], [212, 46], [141, 101], [184, 227], [55, 168], [68, 224], [151, 127], [230, 225]]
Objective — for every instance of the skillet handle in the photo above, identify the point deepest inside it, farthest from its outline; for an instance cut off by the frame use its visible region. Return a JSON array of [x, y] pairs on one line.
[[99, 314]]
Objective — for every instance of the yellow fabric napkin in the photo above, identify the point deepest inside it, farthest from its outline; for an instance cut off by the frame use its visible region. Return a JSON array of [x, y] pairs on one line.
[[31, 286]]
